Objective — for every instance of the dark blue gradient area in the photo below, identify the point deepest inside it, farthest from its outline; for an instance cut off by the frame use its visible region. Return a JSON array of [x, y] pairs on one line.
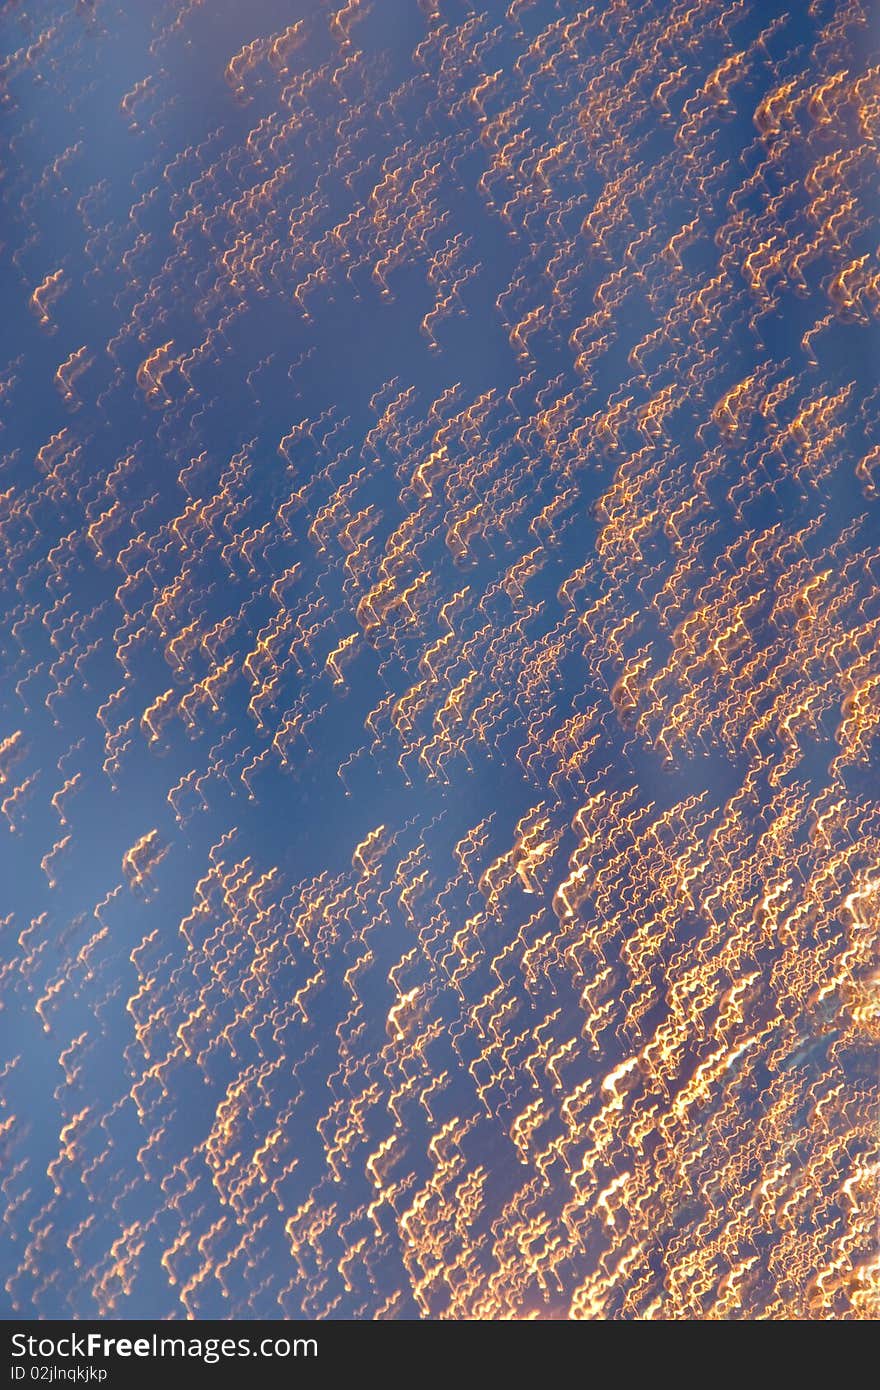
[[440, 628]]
